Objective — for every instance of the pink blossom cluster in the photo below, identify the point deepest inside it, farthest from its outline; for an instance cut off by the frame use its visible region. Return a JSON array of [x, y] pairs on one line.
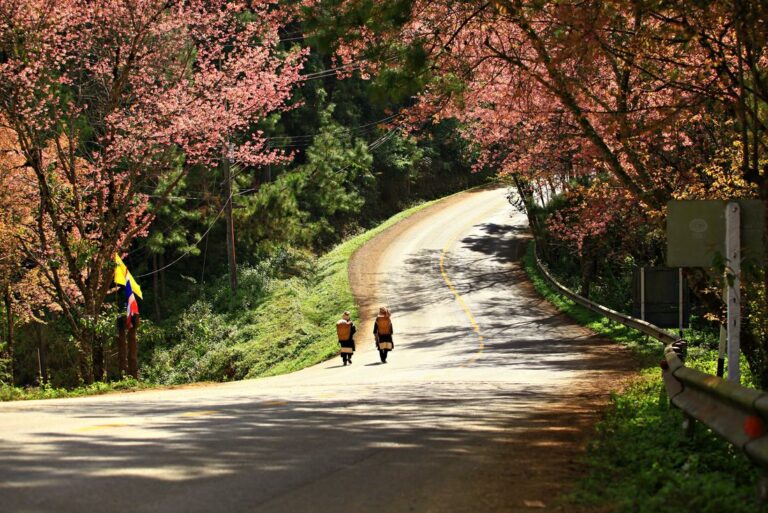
[[112, 100]]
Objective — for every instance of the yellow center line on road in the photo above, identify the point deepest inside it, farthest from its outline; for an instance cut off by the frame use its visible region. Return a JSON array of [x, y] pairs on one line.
[[461, 302], [99, 427], [201, 413]]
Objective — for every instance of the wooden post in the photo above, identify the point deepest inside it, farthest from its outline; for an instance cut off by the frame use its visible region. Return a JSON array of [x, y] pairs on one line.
[[9, 349], [122, 348], [642, 293], [226, 160], [40, 381], [41, 353], [133, 350], [721, 352], [733, 254], [680, 304]]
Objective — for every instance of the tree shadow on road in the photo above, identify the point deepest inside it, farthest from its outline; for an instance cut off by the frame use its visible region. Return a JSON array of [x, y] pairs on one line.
[[242, 456], [439, 446], [520, 330]]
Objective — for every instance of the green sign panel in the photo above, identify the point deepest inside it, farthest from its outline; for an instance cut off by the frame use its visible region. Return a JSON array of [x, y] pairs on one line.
[[696, 231]]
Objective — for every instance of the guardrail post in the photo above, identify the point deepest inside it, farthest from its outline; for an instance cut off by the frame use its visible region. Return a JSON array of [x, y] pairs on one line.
[[689, 425], [681, 349], [762, 491], [721, 352], [133, 359]]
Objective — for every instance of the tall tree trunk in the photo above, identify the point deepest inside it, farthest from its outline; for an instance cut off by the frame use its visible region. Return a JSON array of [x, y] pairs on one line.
[[230, 233], [85, 354], [42, 351], [9, 349], [85, 348], [98, 359], [122, 348], [588, 267], [133, 354]]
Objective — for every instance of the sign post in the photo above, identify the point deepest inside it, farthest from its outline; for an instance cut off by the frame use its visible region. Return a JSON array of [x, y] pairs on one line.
[[701, 232], [680, 301], [721, 352], [642, 293], [733, 284]]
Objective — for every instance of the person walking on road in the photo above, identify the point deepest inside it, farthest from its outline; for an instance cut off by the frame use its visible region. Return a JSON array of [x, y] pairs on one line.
[[382, 331], [345, 329]]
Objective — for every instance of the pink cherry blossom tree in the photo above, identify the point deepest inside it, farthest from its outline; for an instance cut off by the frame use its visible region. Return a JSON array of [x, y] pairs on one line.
[[111, 100], [643, 96]]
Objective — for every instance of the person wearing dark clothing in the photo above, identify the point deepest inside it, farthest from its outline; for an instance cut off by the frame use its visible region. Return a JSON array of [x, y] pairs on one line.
[[382, 331], [345, 329]]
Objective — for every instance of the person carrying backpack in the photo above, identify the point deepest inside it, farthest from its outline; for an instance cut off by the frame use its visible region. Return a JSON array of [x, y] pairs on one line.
[[345, 329], [382, 331]]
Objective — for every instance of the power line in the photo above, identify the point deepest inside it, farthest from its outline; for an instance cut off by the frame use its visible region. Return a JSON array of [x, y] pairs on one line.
[[309, 142], [334, 131], [188, 251], [352, 66]]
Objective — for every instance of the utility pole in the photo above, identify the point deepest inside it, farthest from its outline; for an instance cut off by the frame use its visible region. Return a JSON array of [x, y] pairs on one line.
[[227, 159]]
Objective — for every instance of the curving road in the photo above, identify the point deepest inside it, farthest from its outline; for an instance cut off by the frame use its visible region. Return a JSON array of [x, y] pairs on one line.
[[483, 407]]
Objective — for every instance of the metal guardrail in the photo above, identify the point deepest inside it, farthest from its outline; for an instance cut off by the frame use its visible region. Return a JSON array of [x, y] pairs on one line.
[[643, 326], [736, 413]]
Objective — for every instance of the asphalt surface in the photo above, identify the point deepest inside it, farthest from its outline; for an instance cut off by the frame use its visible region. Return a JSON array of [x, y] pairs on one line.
[[483, 405]]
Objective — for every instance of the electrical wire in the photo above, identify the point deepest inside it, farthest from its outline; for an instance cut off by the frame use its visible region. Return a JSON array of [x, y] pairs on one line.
[[188, 251]]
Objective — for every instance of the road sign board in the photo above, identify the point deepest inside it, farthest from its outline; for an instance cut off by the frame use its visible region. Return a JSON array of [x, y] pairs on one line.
[[696, 231]]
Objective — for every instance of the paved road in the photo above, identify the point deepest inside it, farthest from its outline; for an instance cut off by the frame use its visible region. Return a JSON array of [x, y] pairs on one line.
[[482, 407]]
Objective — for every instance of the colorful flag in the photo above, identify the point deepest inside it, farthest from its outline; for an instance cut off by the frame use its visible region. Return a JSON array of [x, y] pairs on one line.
[[123, 276], [133, 306], [132, 289]]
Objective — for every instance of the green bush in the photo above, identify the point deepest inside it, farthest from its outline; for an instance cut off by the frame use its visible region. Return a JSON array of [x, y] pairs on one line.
[[9, 393], [201, 350]]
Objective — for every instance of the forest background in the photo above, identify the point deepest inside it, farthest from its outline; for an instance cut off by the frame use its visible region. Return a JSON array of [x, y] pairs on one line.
[[121, 123]]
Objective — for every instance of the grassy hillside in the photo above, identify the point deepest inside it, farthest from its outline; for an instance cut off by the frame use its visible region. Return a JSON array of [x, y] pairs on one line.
[[275, 323], [295, 326]]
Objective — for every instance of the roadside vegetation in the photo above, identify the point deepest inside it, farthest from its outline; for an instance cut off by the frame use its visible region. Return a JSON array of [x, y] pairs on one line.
[[273, 325], [639, 459], [277, 322]]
